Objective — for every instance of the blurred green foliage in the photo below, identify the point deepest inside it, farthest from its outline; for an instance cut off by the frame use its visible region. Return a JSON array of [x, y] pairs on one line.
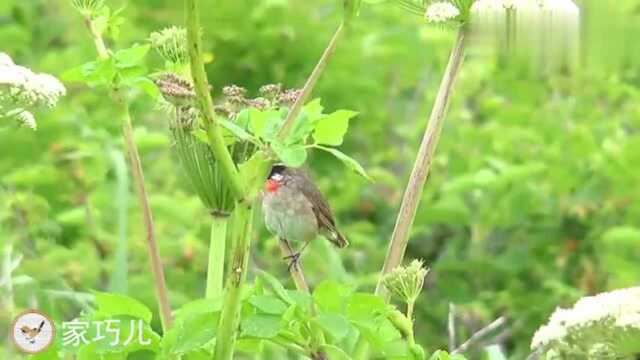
[[531, 203]]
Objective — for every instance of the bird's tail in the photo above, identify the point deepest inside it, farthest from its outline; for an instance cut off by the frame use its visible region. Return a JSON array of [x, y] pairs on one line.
[[338, 239]]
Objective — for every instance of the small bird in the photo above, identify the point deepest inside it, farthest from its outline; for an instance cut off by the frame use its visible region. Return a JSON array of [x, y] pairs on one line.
[[31, 333], [295, 210]]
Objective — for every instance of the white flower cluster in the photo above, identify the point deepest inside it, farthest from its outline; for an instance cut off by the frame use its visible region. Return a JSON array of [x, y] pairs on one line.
[[22, 90], [441, 12], [606, 314]]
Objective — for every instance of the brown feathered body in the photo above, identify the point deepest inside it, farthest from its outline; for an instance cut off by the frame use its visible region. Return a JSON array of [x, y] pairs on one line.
[[295, 210]]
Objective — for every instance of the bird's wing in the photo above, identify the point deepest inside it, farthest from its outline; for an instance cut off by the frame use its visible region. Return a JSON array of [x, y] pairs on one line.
[[321, 209], [320, 206]]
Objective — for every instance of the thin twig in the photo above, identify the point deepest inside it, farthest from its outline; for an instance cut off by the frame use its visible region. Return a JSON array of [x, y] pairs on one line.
[[147, 215], [451, 326], [422, 165], [310, 84], [138, 176], [480, 334], [296, 268]]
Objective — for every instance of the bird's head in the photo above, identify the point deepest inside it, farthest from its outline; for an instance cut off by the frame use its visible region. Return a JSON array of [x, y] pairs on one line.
[[276, 178]]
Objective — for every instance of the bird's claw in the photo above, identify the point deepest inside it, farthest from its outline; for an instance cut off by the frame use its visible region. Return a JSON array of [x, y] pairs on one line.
[[294, 259]]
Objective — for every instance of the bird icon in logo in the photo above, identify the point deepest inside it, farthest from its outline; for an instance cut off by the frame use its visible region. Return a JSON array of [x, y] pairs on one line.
[[31, 334]]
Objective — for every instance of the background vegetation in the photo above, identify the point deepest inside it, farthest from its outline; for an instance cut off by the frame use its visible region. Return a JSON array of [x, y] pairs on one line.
[[532, 201]]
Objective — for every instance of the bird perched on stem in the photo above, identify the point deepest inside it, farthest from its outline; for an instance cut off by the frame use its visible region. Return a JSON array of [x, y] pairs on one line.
[[295, 210]]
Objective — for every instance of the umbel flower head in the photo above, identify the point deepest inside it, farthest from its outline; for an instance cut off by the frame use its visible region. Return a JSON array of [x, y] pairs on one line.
[[405, 282], [87, 7], [595, 325], [171, 44], [22, 91], [441, 12]]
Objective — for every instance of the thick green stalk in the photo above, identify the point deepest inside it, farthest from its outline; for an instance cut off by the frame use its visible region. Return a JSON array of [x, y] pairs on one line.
[[138, 177], [310, 83], [217, 245], [218, 147], [421, 167], [230, 316]]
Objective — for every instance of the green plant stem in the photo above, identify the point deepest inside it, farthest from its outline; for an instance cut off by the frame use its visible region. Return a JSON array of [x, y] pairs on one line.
[[310, 83], [217, 245], [218, 147], [138, 177], [410, 306], [422, 165], [230, 316]]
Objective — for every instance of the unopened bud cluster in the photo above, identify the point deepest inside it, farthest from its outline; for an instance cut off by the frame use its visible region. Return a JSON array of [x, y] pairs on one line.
[[271, 96], [405, 282], [88, 8], [22, 91], [171, 44]]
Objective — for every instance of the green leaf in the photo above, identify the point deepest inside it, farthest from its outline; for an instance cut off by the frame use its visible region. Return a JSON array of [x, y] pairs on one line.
[[335, 353], [335, 325], [331, 296], [275, 286], [292, 155], [260, 326], [201, 135], [347, 161], [268, 304], [273, 123], [131, 57], [115, 304], [236, 130], [365, 307], [331, 129], [197, 330], [194, 327], [303, 300], [148, 86]]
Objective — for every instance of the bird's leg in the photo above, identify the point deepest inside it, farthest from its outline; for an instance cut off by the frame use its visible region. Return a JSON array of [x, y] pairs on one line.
[[294, 258]]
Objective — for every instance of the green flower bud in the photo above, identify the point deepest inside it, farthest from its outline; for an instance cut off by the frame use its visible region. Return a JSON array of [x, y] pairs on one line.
[[406, 282], [87, 7], [171, 44]]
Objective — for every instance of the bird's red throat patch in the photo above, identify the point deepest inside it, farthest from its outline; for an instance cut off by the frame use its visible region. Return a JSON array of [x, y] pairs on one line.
[[272, 186]]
